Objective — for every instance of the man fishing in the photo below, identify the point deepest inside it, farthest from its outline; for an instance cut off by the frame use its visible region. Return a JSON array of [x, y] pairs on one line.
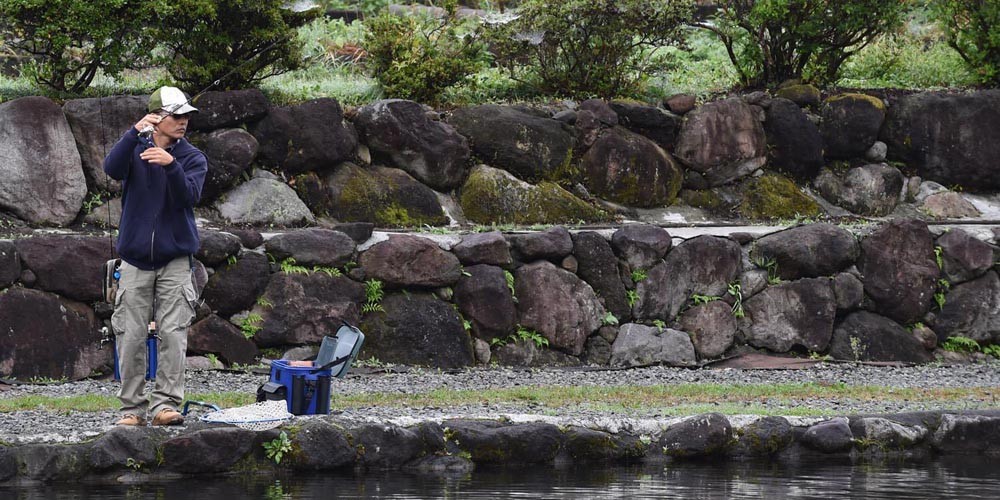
[[162, 176]]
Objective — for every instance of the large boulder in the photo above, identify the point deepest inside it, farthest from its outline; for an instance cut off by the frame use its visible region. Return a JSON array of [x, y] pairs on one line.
[[67, 265], [948, 205], [711, 326], [405, 261], [387, 197], [97, 124], [484, 299], [234, 287], [698, 436], [216, 247], [641, 246], [799, 313], [871, 190], [230, 108], [43, 180], [553, 244], [309, 136], [829, 436], [483, 248], [312, 247], [627, 168], [321, 445], [900, 273], [704, 265], [657, 124], [851, 123], [229, 153], [774, 196], [302, 308], [795, 145], [388, 446], [765, 437], [530, 147], [218, 336], [557, 305], [722, 140], [209, 450], [400, 134], [972, 310], [417, 329], [865, 336], [492, 442], [806, 251], [261, 202], [123, 443], [598, 266], [948, 138], [641, 345], [493, 196], [963, 256], [45, 336]]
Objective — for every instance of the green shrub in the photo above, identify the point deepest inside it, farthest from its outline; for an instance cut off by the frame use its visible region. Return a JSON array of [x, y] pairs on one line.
[[972, 28], [206, 39], [770, 41], [585, 48], [418, 58], [72, 40], [906, 61]]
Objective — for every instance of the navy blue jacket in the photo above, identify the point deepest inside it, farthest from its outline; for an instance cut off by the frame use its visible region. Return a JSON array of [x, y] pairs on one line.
[[157, 223]]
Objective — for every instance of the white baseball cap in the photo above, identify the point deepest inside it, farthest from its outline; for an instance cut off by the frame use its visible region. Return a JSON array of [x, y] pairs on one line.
[[171, 100]]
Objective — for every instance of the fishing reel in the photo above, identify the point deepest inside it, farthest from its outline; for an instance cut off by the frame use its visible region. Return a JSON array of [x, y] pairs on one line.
[[146, 133]]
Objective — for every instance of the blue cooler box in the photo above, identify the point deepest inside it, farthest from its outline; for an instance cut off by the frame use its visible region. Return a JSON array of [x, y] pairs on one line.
[[305, 389]]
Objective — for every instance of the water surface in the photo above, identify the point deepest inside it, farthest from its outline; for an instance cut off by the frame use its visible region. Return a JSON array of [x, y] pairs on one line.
[[950, 477]]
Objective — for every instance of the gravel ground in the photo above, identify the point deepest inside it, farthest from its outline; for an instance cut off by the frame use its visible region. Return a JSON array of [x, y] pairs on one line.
[[48, 426]]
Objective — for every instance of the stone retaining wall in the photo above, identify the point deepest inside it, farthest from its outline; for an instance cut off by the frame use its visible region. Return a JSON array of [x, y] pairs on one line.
[[632, 296], [323, 444], [397, 163]]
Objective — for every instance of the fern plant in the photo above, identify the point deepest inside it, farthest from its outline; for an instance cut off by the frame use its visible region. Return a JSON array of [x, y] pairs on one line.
[[510, 284], [288, 266], [373, 297], [737, 292], [251, 325]]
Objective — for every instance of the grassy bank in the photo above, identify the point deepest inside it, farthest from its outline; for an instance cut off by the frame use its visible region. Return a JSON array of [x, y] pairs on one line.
[[764, 399]]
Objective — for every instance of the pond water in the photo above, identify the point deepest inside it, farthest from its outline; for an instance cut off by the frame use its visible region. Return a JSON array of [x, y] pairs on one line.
[[954, 477]]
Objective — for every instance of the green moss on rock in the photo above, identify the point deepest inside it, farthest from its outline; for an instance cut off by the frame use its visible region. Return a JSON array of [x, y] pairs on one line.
[[492, 196], [800, 94], [384, 198], [853, 96], [774, 196], [702, 198]]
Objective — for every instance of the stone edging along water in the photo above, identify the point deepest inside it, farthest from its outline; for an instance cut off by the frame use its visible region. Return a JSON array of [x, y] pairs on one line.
[[460, 445]]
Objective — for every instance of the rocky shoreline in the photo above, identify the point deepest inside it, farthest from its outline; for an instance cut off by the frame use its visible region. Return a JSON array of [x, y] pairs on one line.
[[40, 445]]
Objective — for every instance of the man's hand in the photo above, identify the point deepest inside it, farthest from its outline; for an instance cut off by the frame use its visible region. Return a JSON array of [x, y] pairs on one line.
[[150, 120], [157, 156]]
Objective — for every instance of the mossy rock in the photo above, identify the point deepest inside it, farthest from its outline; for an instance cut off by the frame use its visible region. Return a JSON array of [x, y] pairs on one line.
[[802, 94], [856, 97], [703, 198], [493, 196], [386, 197], [774, 196]]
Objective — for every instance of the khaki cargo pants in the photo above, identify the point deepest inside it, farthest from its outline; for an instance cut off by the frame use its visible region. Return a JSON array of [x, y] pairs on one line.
[[175, 304]]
